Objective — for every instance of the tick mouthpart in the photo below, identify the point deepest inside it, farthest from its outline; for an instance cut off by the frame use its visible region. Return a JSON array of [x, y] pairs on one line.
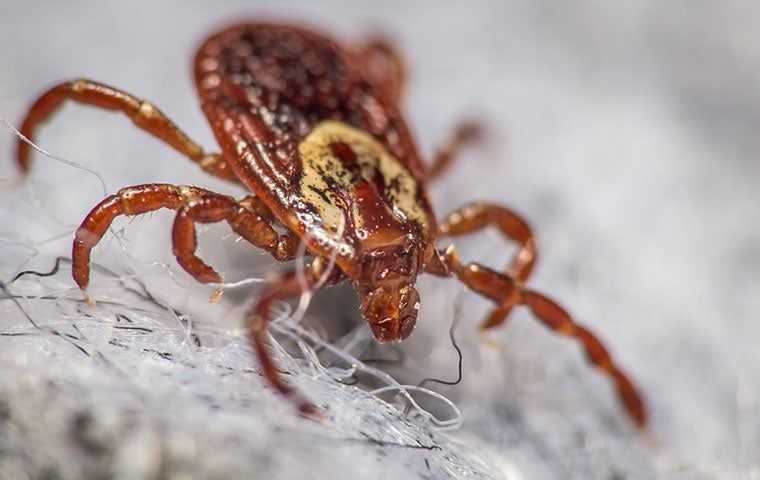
[[391, 312]]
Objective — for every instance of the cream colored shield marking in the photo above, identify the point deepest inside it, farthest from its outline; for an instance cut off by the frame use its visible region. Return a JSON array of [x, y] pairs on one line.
[[319, 163]]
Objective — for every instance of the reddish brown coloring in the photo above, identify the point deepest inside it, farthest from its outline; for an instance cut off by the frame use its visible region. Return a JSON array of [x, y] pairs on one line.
[[313, 130]]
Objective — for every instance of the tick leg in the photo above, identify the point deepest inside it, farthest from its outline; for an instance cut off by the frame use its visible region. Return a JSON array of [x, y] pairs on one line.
[[143, 113], [241, 217], [465, 133], [248, 218], [288, 285], [384, 65], [506, 292], [477, 216]]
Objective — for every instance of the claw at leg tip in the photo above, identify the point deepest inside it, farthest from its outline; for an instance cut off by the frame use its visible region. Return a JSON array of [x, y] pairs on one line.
[[308, 410], [88, 299], [489, 342], [216, 295], [12, 183]]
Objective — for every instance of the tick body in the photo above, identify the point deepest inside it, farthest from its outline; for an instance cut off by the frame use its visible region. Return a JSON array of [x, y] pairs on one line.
[[313, 130]]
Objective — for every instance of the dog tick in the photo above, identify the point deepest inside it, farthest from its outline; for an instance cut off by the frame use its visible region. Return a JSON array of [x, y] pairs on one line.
[[312, 129]]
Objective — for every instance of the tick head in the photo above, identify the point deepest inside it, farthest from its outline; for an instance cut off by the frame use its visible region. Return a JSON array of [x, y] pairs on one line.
[[391, 312], [389, 301]]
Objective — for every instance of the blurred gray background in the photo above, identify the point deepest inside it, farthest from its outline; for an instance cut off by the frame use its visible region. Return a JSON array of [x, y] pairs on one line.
[[626, 132]]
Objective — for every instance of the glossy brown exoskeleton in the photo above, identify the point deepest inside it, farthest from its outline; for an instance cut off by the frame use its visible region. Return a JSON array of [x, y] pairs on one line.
[[313, 130]]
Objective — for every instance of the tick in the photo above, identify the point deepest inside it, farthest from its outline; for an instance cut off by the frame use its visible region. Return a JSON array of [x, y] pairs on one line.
[[313, 130]]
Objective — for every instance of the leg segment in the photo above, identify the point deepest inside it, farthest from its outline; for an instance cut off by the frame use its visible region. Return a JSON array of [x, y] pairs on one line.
[[144, 114], [288, 285], [464, 133], [243, 220], [507, 292], [384, 65], [192, 204], [477, 216]]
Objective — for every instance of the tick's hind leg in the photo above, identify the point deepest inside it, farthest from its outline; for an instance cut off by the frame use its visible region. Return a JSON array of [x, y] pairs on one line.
[[507, 293], [464, 133], [384, 65], [288, 285], [144, 114], [248, 218]]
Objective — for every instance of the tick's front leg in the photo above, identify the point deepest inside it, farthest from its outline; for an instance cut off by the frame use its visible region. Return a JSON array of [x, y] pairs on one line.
[[143, 113], [478, 216], [248, 218], [287, 285], [244, 217], [506, 292]]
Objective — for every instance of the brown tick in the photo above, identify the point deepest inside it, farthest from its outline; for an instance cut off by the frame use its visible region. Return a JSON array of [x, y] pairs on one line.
[[314, 131]]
